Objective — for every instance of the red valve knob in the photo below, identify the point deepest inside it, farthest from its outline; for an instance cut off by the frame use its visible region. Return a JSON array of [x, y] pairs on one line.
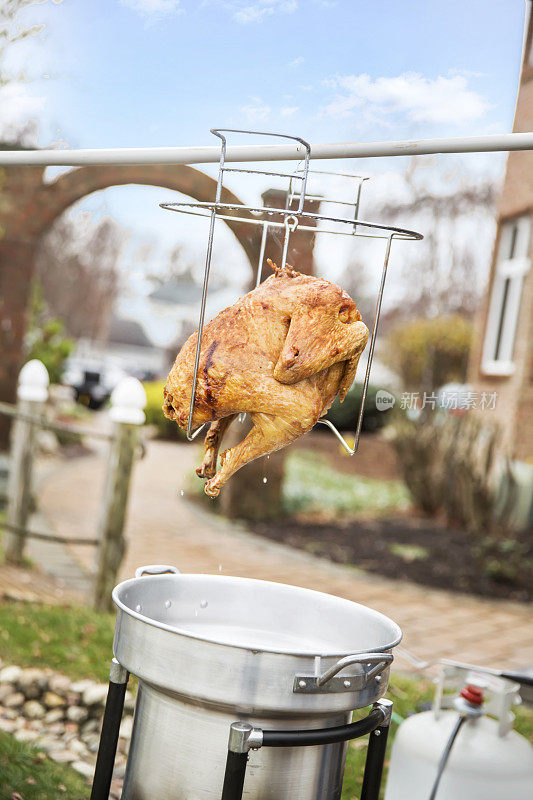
[[473, 694]]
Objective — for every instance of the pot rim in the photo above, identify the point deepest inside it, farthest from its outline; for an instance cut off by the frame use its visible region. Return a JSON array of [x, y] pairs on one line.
[[275, 650]]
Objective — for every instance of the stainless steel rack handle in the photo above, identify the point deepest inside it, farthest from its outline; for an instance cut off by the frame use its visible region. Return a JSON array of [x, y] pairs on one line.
[[307, 157]]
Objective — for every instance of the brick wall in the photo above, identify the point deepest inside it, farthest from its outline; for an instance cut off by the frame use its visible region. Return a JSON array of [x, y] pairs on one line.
[[514, 409]]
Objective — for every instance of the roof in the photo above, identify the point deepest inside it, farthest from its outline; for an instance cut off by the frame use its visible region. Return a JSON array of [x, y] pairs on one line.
[[183, 289], [177, 290], [128, 331]]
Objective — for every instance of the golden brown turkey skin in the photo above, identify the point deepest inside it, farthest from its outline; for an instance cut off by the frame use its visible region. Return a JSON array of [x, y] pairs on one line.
[[281, 353]]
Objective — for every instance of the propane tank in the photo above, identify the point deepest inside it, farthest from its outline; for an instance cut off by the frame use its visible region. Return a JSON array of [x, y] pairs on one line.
[[487, 759]]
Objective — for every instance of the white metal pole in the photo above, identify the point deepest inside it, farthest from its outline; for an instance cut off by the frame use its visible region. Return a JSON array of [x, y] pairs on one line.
[[127, 156]]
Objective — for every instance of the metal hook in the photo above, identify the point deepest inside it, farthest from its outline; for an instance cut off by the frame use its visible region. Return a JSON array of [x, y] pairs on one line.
[[291, 223]]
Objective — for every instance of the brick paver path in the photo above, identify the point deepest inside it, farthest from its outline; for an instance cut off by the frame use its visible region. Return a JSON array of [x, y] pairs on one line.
[[31, 586], [164, 528]]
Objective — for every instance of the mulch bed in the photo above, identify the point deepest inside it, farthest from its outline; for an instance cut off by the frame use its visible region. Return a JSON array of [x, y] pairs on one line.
[[414, 549]]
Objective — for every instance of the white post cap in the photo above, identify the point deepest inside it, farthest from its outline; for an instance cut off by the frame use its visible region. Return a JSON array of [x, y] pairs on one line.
[[33, 382], [128, 399]]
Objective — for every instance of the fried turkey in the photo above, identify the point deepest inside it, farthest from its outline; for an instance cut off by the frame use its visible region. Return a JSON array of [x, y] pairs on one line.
[[281, 353]]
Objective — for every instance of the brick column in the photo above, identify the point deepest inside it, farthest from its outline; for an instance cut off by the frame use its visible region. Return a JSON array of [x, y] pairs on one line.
[[20, 214], [301, 244], [16, 269]]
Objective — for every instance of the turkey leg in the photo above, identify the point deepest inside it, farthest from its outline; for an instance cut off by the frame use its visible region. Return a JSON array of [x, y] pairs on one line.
[[212, 444], [268, 434]]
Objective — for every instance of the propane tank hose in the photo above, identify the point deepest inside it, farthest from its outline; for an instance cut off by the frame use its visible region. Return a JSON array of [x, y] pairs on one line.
[[446, 754]]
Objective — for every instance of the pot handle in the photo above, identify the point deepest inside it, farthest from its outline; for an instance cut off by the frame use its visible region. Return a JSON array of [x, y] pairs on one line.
[[381, 660], [328, 683], [156, 569]]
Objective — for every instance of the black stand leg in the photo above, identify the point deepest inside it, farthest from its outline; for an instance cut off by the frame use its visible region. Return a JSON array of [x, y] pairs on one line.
[[103, 773], [242, 737], [375, 756], [234, 777]]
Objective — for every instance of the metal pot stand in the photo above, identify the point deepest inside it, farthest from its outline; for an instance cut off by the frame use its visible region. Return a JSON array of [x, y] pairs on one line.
[[306, 690], [244, 737]]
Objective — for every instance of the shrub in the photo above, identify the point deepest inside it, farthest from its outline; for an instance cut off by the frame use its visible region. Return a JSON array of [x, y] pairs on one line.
[[454, 466], [46, 338], [430, 352], [344, 415], [166, 428]]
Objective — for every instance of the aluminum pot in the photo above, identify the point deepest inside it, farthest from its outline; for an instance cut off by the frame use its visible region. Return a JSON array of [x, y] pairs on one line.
[[211, 649]]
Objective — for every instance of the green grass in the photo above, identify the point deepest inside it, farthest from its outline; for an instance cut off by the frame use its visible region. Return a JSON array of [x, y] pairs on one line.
[[409, 552], [27, 773], [312, 485], [73, 640]]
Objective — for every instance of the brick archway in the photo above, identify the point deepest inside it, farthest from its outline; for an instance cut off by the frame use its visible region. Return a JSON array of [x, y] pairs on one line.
[[28, 206]]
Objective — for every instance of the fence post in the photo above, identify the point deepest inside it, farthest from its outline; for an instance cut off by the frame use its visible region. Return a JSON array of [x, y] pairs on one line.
[[32, 393], [127, 402]]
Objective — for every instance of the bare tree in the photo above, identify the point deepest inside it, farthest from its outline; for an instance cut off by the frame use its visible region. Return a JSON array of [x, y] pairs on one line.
[[76, 261], [11, 33], [441, 275], [177, 265], [356, 280], [181, 265]]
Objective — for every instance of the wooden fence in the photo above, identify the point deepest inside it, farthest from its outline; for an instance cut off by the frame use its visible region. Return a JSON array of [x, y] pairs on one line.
[[127, 401]]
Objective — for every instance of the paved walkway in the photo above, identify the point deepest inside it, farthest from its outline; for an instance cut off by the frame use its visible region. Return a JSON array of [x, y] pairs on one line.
[[29, 586], [164, 528]]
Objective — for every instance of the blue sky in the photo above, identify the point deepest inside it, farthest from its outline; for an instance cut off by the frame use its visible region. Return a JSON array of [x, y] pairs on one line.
[[159, 72], [162, 72]]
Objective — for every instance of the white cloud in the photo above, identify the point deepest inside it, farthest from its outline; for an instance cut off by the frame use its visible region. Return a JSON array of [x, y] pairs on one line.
[[288, 111], [421, 100], [255, 110], [154, 9], [19, 107], [245, 12], [296, 61]]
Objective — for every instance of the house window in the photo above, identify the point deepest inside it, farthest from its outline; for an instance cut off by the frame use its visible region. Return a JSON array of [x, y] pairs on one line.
[[512, 264]]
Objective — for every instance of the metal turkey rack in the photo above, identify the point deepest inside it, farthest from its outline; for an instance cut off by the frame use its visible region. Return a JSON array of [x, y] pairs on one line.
[[290, 218]]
